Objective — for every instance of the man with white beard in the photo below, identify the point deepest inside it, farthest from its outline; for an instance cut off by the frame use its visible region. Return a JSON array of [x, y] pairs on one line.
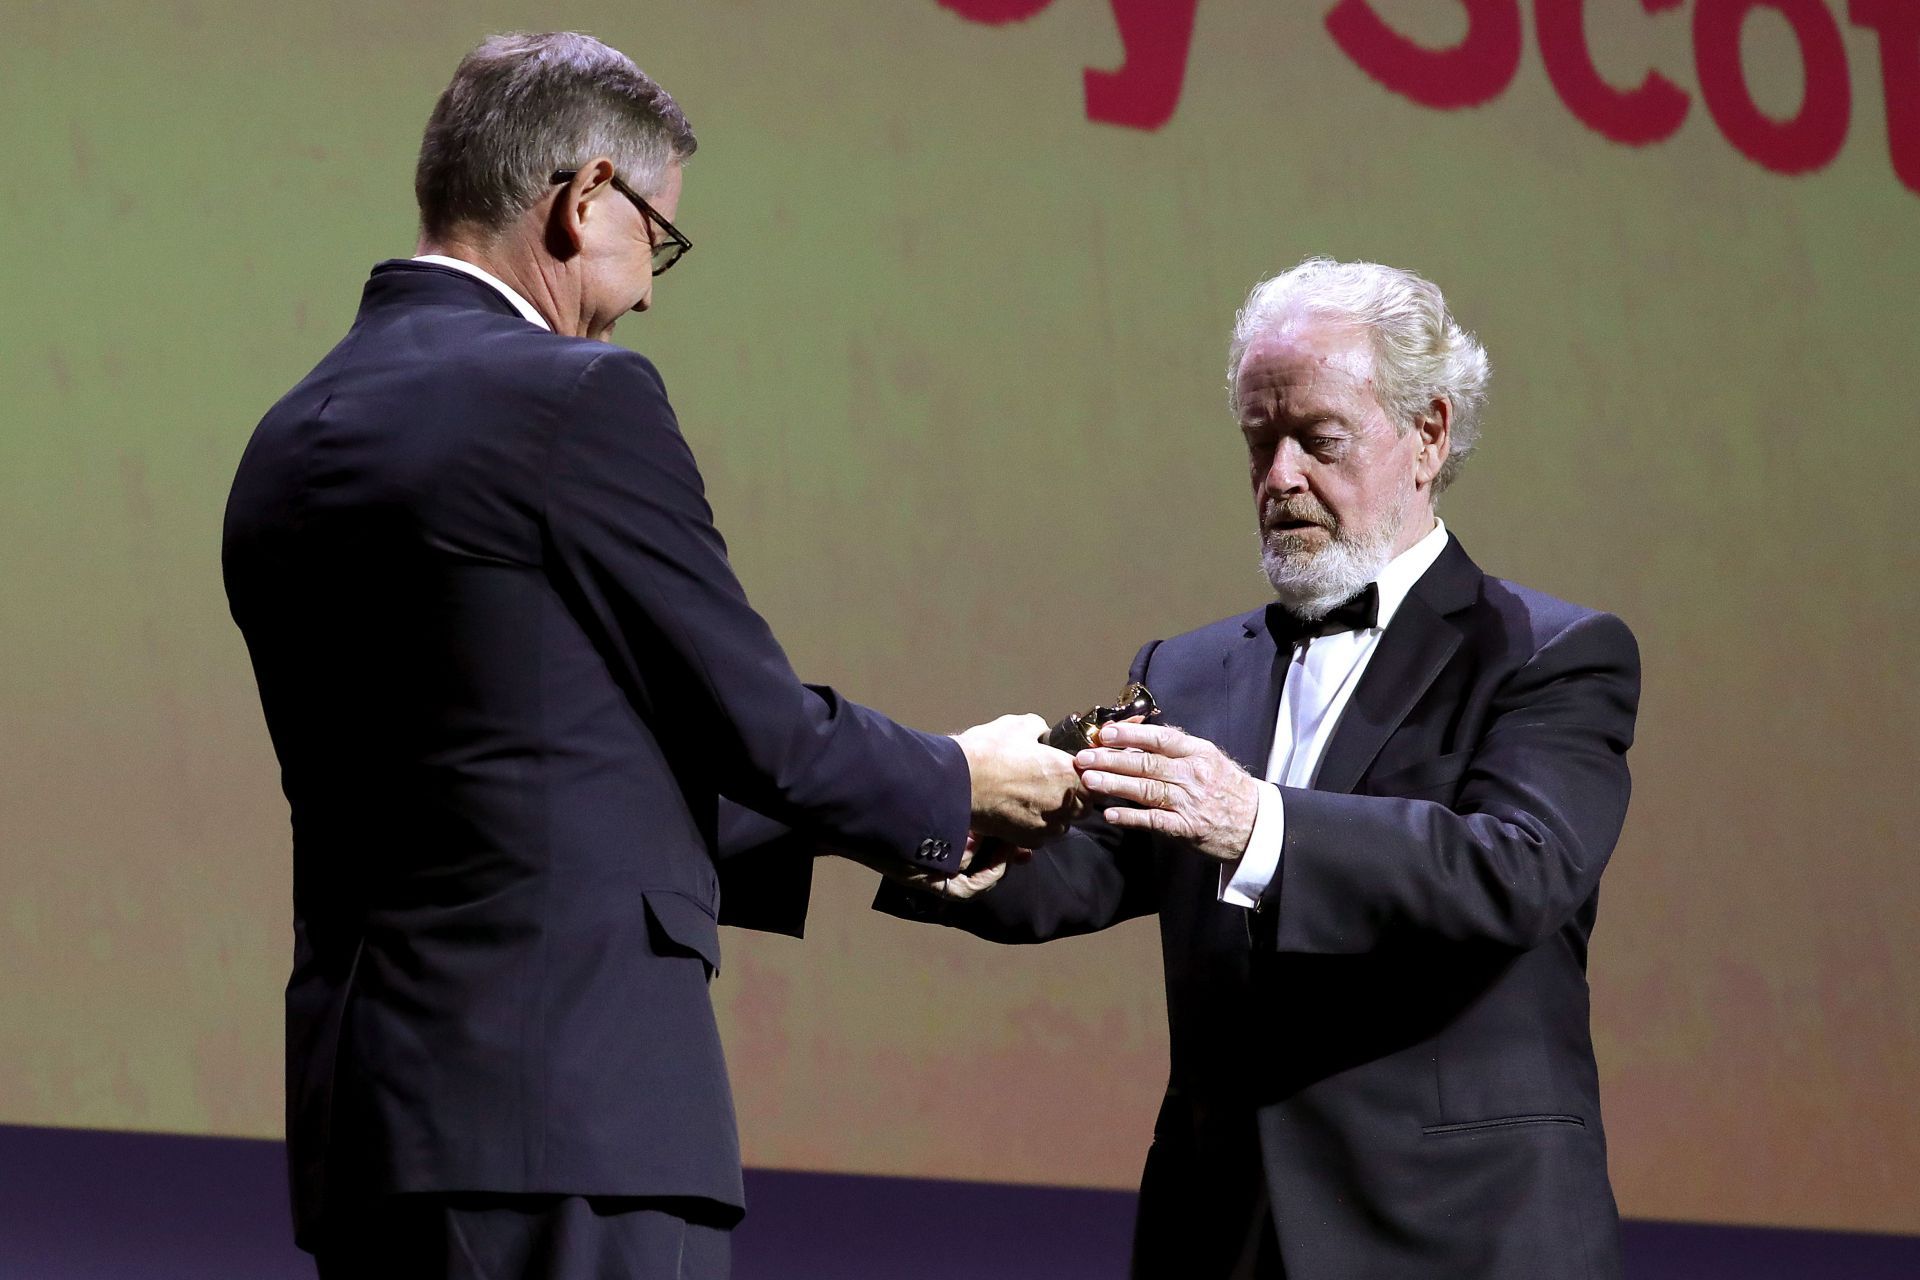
[[1374, 848]]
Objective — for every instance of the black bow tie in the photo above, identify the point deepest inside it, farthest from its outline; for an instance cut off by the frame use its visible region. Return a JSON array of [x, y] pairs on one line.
[[1356, 614]]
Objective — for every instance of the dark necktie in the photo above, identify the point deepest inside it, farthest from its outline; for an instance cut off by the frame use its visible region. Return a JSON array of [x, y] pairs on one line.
[[1355, 614]]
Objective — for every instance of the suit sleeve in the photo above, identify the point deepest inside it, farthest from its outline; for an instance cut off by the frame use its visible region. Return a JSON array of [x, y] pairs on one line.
[[1088, 880], [766, 871], [640, 558], [1519, 852], [1094, 877]]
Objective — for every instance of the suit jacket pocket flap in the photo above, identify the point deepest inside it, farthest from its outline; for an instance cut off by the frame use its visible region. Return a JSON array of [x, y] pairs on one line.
[[677, 925]]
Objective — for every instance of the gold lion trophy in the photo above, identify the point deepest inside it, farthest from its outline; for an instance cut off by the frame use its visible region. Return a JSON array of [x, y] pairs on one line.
[[1077, 733]]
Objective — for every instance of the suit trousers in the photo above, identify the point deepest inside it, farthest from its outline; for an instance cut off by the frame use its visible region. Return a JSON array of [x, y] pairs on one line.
[[519, 1237], [1260, 1252], [1204, 1211]]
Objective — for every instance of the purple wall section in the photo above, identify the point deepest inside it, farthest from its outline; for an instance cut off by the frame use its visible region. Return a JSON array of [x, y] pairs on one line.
[[80, 1204]]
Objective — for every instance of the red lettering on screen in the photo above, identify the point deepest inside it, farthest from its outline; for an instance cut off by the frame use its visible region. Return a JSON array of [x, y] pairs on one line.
[[1651, 112], [1476, 70], [1898, 24], [996, 13], [1812, 137], [1157, 38], [1144, 91]]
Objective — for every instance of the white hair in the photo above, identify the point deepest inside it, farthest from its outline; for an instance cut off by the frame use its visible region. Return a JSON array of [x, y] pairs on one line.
[[1420, 352]]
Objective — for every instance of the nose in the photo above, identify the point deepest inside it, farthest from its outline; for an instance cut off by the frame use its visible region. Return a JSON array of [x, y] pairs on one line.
[[1286, 471]]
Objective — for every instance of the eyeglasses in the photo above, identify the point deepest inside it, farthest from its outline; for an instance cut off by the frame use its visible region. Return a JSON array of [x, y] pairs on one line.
[[665, 252]]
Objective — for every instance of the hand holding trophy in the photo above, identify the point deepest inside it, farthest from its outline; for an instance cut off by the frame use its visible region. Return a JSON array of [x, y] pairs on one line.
[[1074, 734], [987, 856]]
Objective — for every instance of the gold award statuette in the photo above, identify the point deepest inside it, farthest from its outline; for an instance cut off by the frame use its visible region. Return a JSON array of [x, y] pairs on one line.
[[1076, 733]]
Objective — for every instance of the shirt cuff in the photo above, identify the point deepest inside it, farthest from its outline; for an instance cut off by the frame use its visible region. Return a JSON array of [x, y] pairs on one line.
[[1244, 883]]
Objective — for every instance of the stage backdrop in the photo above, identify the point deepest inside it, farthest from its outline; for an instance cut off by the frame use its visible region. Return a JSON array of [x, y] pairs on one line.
[[950, 352]]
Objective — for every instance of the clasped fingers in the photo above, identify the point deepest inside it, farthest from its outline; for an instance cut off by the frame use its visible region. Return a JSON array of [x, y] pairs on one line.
[[1137, 776], [1133, 762]]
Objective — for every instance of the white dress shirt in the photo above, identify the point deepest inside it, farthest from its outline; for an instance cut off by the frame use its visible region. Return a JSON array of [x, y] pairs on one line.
[[507, 291], [1320, 679]]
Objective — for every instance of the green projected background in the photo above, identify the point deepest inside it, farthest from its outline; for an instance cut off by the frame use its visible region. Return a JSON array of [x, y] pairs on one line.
[[951, 355]]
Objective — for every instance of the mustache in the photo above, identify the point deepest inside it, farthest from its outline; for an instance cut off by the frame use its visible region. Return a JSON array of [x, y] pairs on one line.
[[1277, 511]]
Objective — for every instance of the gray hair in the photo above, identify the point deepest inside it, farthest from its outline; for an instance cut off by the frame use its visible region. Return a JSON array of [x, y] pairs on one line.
[[524, 105], [1420, 352]]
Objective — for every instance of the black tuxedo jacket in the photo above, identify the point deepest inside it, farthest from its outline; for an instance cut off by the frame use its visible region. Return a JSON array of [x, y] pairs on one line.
[[1398, 1040], [510, 676]]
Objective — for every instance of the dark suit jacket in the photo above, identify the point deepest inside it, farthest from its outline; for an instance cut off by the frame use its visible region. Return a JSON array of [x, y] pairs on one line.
[[1399, 1039], [510, 676]]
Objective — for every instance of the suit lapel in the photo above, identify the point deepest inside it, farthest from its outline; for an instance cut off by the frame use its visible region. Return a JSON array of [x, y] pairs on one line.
[[1253, 671], [1416, 645]]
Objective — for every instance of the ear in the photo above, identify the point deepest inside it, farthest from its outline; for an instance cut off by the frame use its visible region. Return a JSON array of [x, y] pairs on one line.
[[1433, 430], [577, 205]]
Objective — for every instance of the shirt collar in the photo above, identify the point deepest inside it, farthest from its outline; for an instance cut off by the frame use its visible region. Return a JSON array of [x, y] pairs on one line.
[[507, 291], [1407, 568]]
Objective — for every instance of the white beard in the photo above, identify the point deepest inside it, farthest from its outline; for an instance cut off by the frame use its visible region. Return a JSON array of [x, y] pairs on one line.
[[1310, 583]]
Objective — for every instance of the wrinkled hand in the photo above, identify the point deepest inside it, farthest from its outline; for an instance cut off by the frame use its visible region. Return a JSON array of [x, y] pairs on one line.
[[1189, 789], [1023, 790]]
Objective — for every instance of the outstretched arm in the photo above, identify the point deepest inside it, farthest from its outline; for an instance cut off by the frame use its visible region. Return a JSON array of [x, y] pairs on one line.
[[1086, 881], [641, 564]]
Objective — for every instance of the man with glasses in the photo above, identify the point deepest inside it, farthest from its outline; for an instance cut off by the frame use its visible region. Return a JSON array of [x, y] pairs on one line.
[[535, 741], [669, 246]]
